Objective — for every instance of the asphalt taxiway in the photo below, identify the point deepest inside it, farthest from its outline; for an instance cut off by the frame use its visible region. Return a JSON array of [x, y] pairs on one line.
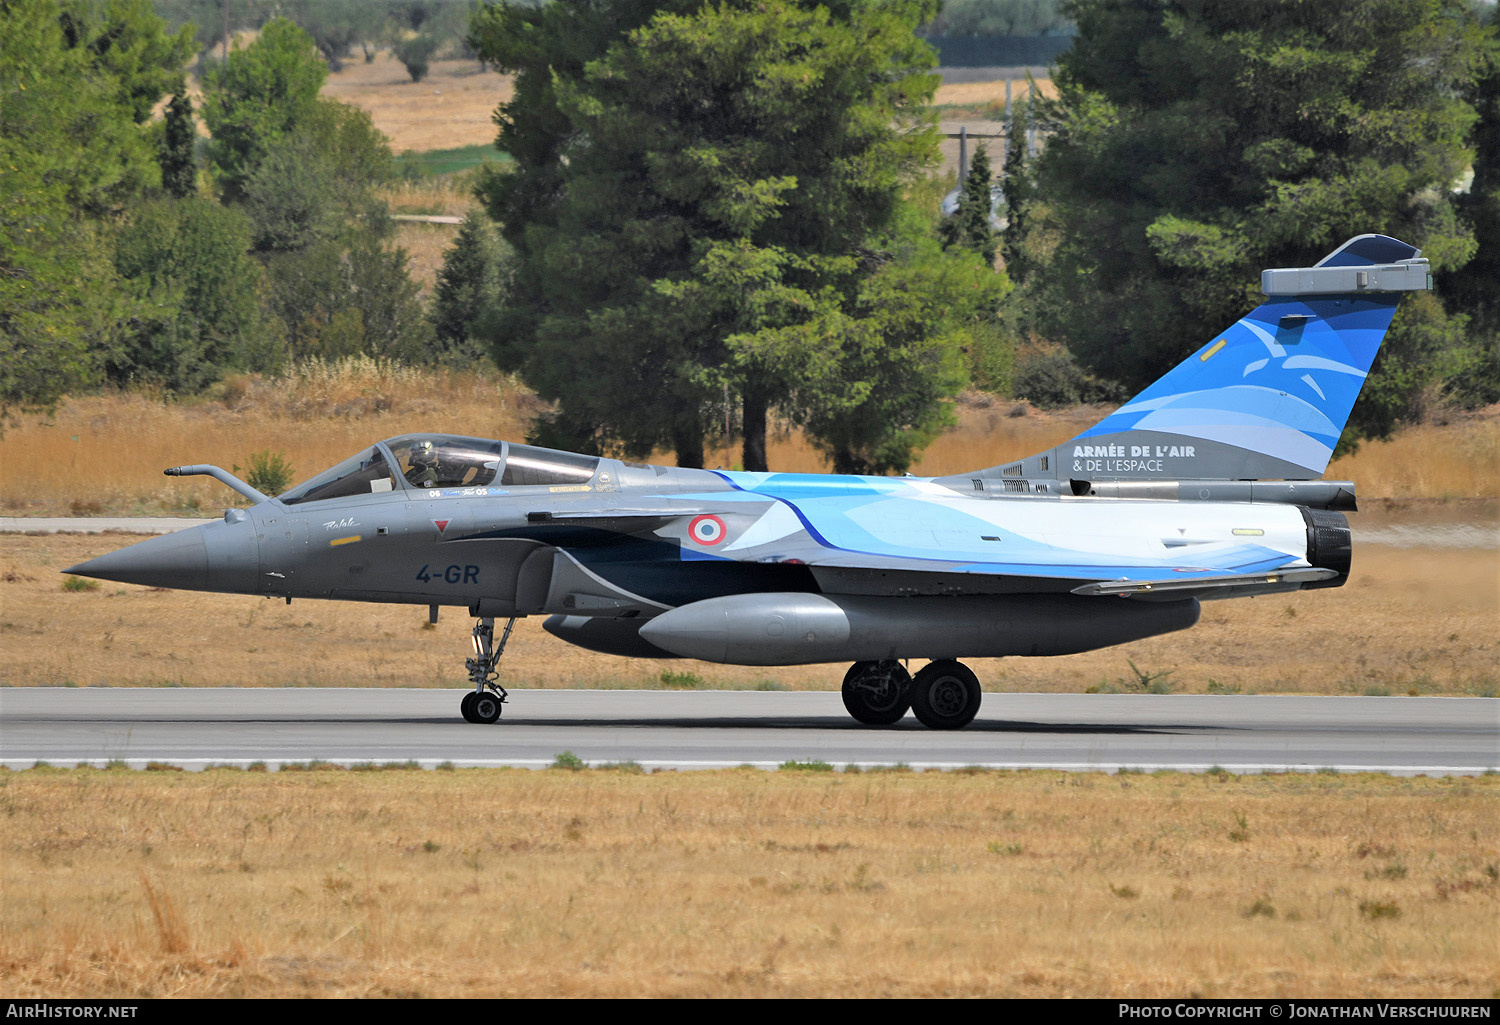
[[197, 727]]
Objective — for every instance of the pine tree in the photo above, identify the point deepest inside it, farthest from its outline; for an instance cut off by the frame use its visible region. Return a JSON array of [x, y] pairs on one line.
[[467, 285], [179, 171], [1474, 290], [698, 195], [1016, 187], [970, 224], [1196, 142]]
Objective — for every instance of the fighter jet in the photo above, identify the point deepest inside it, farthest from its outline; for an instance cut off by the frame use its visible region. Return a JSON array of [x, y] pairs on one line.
[[1204, 486]]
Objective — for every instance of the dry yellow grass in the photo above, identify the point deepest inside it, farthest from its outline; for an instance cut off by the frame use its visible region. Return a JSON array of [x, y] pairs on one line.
[[1460, 459], [740, 883], [425, 246], [990, 95], [105, 453], [453, 106], [1419, 621]]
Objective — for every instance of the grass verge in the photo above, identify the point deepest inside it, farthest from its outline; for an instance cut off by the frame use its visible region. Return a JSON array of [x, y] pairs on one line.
[[745, 883]]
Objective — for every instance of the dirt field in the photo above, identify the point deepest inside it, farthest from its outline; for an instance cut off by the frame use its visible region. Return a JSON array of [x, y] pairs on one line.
[[455, 104], [1409, 622], [454, 107], [743, 883]]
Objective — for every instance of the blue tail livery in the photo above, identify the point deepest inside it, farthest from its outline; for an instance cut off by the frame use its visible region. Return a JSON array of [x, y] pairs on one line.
[[1265, 399]]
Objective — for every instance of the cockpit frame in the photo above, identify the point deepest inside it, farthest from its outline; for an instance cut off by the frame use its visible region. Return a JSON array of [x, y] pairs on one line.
[[446, 464]]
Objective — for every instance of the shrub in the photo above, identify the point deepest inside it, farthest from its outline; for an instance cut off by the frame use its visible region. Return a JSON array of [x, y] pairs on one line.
[[1049, 377], [568, 760], [414, 53], [269, 472]]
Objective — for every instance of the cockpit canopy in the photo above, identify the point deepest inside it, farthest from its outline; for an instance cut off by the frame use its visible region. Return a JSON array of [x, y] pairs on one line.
[[442, 461], [447, 461]]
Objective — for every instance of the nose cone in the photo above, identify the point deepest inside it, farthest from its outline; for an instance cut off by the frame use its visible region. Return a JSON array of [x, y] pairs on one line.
[[176, 560], [214, 557]]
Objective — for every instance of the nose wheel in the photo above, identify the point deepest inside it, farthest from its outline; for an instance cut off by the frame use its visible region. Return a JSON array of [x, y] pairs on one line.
[[484, 703]]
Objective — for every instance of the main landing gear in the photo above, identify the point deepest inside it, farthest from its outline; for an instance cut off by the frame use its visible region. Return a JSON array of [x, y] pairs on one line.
[[484, 702], [944, 694], [877, 693]]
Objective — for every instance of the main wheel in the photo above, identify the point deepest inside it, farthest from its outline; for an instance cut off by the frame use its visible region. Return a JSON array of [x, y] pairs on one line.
[[875, 693], [466, 706], [486, 707], [945, 695]]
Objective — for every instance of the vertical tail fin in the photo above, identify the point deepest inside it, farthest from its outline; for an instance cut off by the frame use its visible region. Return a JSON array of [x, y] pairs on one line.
[[1265, 399]]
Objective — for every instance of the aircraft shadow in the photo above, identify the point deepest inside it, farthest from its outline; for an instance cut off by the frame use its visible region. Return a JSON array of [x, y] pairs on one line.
[[822, 723], [844, 724]]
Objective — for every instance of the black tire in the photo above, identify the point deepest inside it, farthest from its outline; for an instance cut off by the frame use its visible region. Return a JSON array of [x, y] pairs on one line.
[[877, 693], [486, 707], [945, 695], [466, 707]]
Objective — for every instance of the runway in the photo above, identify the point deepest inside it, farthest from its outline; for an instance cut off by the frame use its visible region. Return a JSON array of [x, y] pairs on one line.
[[196, 727]]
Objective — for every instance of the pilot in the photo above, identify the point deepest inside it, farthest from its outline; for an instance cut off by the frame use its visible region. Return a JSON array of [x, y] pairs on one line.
[[423, 471]]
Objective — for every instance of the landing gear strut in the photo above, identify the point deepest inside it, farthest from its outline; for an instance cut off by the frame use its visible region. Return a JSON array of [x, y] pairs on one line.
[[484, 702], [876, 693], [944, 694]]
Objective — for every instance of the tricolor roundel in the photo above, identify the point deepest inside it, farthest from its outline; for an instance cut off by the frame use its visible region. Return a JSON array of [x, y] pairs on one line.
[[706, 530]]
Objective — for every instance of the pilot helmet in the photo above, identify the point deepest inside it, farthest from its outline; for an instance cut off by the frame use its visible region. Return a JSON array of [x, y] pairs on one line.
[[422, 453]]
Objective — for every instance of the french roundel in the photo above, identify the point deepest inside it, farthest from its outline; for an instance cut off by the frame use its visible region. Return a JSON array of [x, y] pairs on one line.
[[707, 530]]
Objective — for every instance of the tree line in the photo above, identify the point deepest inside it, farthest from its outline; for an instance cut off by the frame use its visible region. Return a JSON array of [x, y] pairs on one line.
[[131, 253], [1195, 142], [413, 30], [712, 203], [725, 213]]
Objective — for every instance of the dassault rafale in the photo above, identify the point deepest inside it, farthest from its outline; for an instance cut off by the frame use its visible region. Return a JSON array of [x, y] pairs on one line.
[[1204, 486]]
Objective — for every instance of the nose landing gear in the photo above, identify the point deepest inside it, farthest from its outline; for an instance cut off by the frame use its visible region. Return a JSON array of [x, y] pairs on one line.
[[484, 703]]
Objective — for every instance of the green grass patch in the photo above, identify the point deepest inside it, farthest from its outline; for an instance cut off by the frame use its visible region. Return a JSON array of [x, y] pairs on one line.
[[812, 766], [1377, 909], [629, 768], [434, 163], [672, 678], [568, 760]]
